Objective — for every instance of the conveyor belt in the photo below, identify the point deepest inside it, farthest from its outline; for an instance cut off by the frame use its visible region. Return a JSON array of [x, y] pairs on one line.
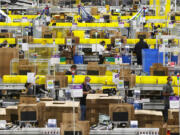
[[60, 68], [6, 86], [47, 131]]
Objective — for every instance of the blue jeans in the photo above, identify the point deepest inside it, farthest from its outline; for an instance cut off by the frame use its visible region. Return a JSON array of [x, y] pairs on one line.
[[83, 112]]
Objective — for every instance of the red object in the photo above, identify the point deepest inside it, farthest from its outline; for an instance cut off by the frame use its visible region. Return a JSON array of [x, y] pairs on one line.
[[168, 132]]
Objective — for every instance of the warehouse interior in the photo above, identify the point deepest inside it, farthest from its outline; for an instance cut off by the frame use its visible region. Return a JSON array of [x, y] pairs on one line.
[[89, 67]]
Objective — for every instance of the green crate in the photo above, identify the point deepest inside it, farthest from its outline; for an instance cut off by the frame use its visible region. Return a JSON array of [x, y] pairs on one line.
[[110, 59], [63, 59]]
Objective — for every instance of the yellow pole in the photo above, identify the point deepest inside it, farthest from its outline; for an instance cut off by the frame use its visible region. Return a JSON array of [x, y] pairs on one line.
[[157, 7], [151, 2], [168, 7], [78, 2]]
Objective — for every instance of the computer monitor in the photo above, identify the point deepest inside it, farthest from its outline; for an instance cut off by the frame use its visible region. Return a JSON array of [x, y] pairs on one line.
[[120, 116], [28, 116], [24, 72], [72, 133], [127, 2]]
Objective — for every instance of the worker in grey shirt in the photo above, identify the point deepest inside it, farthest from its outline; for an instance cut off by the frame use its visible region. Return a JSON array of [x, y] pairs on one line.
[[167, 92]]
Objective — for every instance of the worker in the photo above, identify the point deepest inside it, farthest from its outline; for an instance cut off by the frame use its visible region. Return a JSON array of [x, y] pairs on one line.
[[138, 49], [101, 50], [154, 30], [167, 92], [86, 90], [72, 70], [29, 89]]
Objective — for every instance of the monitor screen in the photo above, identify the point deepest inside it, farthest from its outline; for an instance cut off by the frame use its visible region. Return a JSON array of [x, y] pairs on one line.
[[24, 72], [120, 116], [28, 116]]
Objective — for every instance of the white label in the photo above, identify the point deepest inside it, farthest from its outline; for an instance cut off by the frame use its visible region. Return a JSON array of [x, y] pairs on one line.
[[121, 24], [54, 61], [116, 78], [170, 25], [76, 93], [120, 85], [69, 41], [174, 102], [94, 48], [24, 19], [31, 78], [50, 84], [25, 47]]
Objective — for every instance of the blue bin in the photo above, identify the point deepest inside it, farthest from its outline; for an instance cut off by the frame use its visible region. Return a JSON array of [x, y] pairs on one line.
[[78, 59], [174, 59], [151, 56], [126, 59]]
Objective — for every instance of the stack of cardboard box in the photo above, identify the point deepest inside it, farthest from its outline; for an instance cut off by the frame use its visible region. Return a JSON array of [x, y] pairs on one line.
[[55, 110], [173, 117], [149, 119], [29, 104], [46, 32], [158, 70], [122, 108], [6, 35], [3, 115], [100, 34], [146, 35], [23, 66], [127, 76], [68, 124], [174, 129], [11, 113], [98, 103], [10, 53], [63, 80], [94, 67]]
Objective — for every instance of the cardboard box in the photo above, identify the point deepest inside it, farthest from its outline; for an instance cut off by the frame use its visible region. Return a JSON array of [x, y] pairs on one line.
[[6, 35], [98, 104], [59, 73], [68, 117], [27, 68], [56, 109], [63, 80], [27, 108], [93, 66], [145, 34], [157, 67], [82, 126], [6, 55], [23, 62], [10, 112], [122, 108], [173, 128], [3, 115], [173, 117], [27, 100], [94, 11], [148, 118]]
